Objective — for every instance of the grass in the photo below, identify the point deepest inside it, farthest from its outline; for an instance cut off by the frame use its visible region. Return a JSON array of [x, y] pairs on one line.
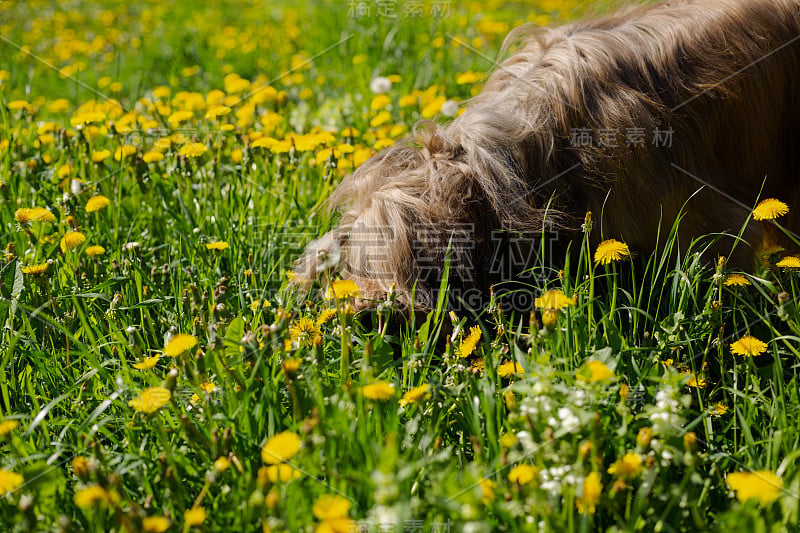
[[624, 410]]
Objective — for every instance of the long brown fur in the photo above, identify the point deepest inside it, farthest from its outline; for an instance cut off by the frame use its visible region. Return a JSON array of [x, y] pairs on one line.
[[722, 74]]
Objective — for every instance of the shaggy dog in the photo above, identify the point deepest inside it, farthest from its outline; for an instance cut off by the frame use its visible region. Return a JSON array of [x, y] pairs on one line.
[[686, 106]]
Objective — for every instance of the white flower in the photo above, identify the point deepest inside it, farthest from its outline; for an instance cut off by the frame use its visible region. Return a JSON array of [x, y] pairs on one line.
[[380, 85], [450, 108]]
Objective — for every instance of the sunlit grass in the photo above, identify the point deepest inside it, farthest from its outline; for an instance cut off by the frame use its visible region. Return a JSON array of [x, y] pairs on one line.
[[160, 168]]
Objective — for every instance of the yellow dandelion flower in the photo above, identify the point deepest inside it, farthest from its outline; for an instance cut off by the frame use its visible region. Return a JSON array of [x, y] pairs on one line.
[[193, 150], [553, 299], [343, 288], [696, 382], [194, 516], [281, 473], [416, 394], [7, 426], [487, 490], [379, 391], [152, 156], [179, 117], [222, 464], [93, 495], [96, 203], [94, 251], [147, 363], [469, 344], [762, 485], [379, 102], [331, 506], [719, 409], [748, 346], [594, 371], [522, 474], [72, 240], [180, 343], [477, 365], [291, 366], [100, 155], [151, 400], [36, 270], [381, 118], [217, 246], [590, 497], [789, 262], [155, 524], [630, 465], [736, 280], [510, 368], [325, 316], [305, 332], [611, 250], [208, 387], [217, 111], [124, 151], [9, 481], [508, 440], [769, 209], [281, 447]]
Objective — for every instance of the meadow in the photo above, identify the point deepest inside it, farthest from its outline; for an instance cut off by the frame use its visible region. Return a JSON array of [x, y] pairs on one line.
[[161, 166]]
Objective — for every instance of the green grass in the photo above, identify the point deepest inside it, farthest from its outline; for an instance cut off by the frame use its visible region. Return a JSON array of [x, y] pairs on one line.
[[71, 336]]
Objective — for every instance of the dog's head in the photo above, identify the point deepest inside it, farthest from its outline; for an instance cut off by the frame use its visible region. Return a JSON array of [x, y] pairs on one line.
[[404, 211]]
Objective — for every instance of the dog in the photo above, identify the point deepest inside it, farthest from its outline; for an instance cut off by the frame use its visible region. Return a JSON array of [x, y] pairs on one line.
[[687, 107]]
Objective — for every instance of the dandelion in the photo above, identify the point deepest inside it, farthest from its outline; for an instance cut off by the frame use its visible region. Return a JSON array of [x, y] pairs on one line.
[[468, 78], [736, 280], [155, 524], [94, 251], [611, 250], [100, 155], [769, 209], [33, 214], [291, 366], [381, 118], [7, 426], [789, 262], [553, 299], [281, 473], [509, 369], [522, 474], [93, 495], [222, 464], [630, 465], [151, 400], [152, 156], [305, 332], [36, 270], [416, 394], [379, 391], [325, 316], [180, 343], [96, 203], [281, 447], [477, 365], [124, 151], [450, 108], [343, 288], [147, 363], [380, 85], [695, 381], [193, 150], [748, 346], [217, 246], [762, 485], [72, 240], [487, 490], [594, 371], [331, 506], [469, 344], [508, 440], [194, 516], [719, 409], [178, 117], [590, 497]]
